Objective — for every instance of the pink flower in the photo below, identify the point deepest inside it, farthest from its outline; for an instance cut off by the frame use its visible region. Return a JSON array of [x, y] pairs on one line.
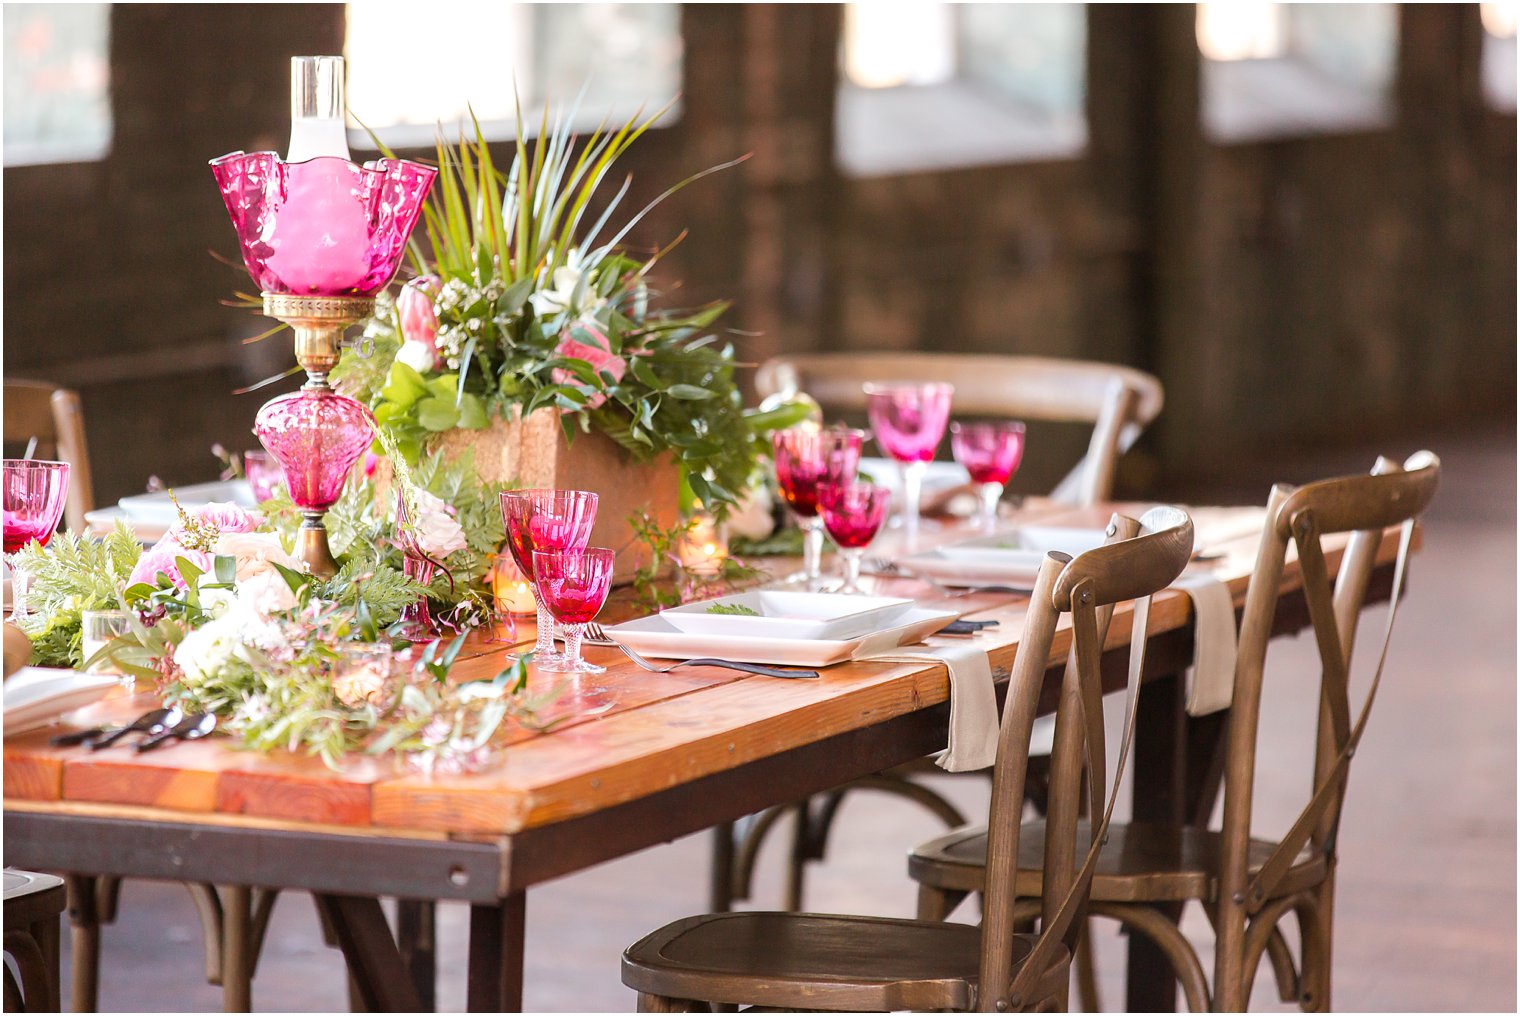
[[161, 557], [371, 461], [597, 352], [415, 309]]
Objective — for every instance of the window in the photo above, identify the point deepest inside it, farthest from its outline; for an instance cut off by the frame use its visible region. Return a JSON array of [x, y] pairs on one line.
[[1281, 70], [407, 75], [57, 83], [940, 86], [1499, 54]]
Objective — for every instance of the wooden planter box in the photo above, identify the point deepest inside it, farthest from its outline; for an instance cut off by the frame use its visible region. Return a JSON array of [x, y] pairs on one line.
[[534, 453]]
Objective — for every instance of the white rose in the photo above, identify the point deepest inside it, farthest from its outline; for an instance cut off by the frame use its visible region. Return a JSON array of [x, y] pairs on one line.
[[418, 356], [254, 553], [204, 652], [265, 593], [434, 529], [215, 602]]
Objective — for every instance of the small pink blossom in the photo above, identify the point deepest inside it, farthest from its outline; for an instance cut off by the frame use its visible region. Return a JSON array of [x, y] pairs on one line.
[[224, 516], [419, 322], [161, 557], [371, 462], [597, 351]]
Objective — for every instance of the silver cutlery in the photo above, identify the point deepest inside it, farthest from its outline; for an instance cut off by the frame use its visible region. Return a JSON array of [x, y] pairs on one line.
[[596, 635], [191, 728], [151, 723], [888, 568]]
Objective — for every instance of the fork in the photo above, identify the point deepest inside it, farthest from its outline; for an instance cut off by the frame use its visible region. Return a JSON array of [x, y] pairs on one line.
[[596, 635]]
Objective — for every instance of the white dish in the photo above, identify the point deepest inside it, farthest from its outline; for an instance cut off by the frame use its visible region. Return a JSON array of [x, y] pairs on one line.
[[655, 636], [35, 696], [938, 477], [158, 508], [1011, 558], [780, 613]]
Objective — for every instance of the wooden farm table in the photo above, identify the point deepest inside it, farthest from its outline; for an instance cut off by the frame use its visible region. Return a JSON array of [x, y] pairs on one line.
[[676, 753]]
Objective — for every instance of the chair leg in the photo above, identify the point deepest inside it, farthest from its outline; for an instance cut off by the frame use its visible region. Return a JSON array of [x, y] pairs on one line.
[[720, 893], [1316, 928], [936, 904], [1160, 929], [1086, 971]]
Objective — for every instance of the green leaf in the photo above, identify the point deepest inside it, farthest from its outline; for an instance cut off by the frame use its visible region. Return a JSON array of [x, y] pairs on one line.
[[691, 393], [472, 413], [403, 385], [187, 571], [437, 414]]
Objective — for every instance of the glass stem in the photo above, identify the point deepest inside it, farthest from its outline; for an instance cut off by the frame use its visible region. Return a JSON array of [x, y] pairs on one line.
[[991, 493], [573, 644], [545, 644], [812, 549], [851, 557], [913, 484], [21, 591]]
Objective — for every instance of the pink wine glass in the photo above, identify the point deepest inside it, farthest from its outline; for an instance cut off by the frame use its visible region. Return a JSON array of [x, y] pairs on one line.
[[573, 584], [805, 458], [909, 420], [853, 513], [991, 453], [544, 519], [34, 496]]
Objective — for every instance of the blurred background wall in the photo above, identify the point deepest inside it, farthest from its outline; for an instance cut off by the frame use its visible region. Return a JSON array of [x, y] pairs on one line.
[[1301, 217]]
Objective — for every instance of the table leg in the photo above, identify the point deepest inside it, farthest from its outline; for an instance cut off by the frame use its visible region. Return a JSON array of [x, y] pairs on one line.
[[496, 955], [237, 948], [374, 960], [1177, 772], [416, 934], [720, 893]]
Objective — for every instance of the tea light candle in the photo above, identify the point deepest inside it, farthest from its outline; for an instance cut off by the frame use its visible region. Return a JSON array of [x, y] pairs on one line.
[[513, 592], [704, 547]]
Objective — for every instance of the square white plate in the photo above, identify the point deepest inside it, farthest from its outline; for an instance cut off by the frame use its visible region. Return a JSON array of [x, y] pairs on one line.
[[780, 613], [655, 636], [35, 696], [1011, 558]]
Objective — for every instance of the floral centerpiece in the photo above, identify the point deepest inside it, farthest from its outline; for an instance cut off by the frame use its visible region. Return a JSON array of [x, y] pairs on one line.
[[224, 620], [534, 340]]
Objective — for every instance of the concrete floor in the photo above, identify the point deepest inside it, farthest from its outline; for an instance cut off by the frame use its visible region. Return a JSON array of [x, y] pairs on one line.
[[1426, 909]]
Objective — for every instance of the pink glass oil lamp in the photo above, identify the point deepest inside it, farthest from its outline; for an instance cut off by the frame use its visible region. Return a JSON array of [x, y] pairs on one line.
[[321, 235]]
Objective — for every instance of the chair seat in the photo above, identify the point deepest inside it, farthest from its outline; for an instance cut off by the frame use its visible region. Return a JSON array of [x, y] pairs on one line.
[[1139, 863], [811, 961]]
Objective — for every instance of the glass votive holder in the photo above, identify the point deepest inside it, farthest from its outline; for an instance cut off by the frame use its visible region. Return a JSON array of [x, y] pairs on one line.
[[362, 674], [264, 475], [98, 629], [511, 598]]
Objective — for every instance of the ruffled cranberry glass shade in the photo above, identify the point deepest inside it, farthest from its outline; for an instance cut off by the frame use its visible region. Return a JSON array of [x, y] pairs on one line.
[[323, 227], [317, 435]]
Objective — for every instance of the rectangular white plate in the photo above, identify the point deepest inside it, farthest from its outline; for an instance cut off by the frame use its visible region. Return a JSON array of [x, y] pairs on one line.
[[781, 613], [1011, 558], [654, 636], [35, 696], [157, 508]]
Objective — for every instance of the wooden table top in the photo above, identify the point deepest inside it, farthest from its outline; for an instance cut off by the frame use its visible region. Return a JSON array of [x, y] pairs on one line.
[[660, 730]]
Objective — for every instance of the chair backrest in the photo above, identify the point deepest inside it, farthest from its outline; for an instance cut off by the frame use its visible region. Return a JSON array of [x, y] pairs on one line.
[[52, 415], [1364, 506], [1119, 402], [1139, 559]]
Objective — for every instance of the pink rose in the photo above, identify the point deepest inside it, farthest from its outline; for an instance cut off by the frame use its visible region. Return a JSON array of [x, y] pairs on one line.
[[224, 516], [414, 307], [161, 557], [597, 352]]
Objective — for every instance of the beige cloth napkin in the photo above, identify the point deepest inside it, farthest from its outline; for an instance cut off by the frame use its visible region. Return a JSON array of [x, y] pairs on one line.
[[1211, 679], [973, 705]]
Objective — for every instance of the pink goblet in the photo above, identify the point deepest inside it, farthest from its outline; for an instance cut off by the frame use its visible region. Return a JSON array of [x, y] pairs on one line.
[[991, 453], [573, 584], [909, 420], [416, 623], [34, 495], [263, 473], [805, 458], [853, 513], [543, 519]]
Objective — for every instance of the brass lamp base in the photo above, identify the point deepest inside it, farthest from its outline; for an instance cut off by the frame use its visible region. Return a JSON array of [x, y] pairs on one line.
[[319, 323], [312, 548]]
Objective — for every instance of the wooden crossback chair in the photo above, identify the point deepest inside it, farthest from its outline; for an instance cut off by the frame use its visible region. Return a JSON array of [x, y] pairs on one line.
[[52, 415], [810, 961], [1119, 402], [1246, 885]]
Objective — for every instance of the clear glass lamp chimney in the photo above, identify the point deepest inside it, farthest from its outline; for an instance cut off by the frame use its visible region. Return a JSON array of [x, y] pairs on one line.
[[317, 108]]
